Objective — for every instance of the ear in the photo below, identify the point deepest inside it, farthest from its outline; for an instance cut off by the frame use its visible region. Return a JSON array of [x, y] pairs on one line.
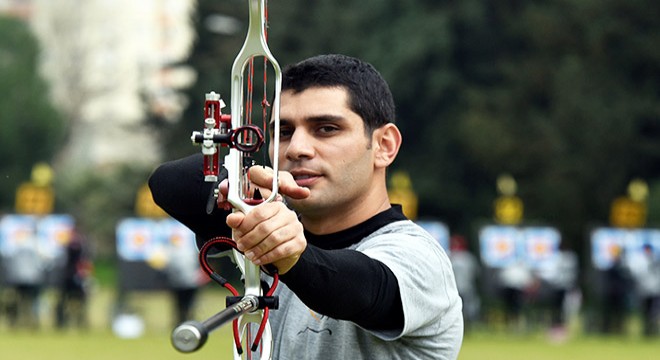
[[386, 143]]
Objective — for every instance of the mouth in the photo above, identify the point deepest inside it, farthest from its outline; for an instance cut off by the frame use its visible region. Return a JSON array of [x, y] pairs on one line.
[[305, 178]]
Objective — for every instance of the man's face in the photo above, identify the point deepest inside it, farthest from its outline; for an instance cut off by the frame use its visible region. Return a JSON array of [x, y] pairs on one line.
[[323, 144]]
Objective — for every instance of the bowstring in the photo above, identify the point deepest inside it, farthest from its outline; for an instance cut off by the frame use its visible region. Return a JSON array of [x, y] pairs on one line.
[[249, 102], [264, 102]]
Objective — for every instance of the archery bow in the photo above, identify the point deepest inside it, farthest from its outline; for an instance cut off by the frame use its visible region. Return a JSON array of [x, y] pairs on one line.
[[243, 139]]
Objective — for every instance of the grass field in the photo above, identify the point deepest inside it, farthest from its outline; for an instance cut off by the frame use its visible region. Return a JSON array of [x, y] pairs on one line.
[[105, 346], [502, 347], [99, 343]]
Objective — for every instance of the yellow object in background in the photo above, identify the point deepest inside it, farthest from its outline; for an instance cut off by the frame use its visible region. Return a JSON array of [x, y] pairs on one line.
[[37, 196], [401, 192], [145, 205]]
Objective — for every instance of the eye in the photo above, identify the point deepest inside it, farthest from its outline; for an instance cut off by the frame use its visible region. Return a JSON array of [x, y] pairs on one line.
[[327, 129], [285, 132]]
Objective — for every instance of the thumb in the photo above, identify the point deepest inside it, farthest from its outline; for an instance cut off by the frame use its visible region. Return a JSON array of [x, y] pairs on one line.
[[288, 187], [235, 219]]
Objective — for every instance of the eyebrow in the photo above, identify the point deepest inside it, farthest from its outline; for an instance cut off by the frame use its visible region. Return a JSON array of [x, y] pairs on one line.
[[312, 119]]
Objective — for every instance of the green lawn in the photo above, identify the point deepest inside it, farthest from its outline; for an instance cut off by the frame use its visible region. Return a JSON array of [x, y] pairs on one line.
[[100, 343], [503, 347], [105, 346], [154, 308], [101, 346]]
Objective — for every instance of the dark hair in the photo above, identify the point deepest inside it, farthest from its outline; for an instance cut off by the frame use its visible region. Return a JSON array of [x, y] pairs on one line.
[[369, 95]]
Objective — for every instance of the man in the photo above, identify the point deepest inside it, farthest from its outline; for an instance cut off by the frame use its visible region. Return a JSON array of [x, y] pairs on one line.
[[647, 280], [360, 281], [467, 272]]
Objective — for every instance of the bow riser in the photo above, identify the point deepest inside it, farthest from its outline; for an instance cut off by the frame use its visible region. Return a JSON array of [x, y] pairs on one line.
[[255, 46], [243, 139]]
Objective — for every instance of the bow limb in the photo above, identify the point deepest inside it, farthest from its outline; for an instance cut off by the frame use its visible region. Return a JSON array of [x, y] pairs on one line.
[[255, 45]]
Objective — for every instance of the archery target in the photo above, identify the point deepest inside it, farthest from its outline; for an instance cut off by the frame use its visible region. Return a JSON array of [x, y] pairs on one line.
[[16, 230], [151, 240], [135, 239], [502, 246], [499, 245], [50, 234], [605, 242], [541, 245], [54, 233]]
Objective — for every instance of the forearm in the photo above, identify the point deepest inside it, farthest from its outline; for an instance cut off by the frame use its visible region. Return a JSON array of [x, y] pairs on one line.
[[348, 285], [178, 187]]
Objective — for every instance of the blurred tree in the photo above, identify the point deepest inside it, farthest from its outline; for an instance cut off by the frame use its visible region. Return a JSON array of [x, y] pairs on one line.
[[563, 98], [220, 28], [562, 94], [30, 128], [99, 199], [413, 43]]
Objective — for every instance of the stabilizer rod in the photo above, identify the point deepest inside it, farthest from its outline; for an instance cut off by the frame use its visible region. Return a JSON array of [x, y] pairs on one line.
[[191, 335]]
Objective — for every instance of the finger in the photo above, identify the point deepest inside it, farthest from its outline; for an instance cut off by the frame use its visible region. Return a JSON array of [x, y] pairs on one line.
[[284, 256], [269, 234], [258, 225], [223, 189], [285, 252], [278, 232], [235, 220], [288, 187], [263, 177]]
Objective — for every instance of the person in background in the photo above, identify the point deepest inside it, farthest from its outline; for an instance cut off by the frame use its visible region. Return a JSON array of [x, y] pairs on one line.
[[517, 283], [617, 288], [559, 278], [25, 272], [466, 270], [647, 280], [71, 307], [184, 277]]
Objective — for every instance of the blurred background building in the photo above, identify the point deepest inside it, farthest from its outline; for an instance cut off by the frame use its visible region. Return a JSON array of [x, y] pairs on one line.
[[18, 8], [111, 65]]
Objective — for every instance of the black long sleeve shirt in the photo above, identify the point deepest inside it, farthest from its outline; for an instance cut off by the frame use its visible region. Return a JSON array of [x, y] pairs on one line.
[[329, 278]]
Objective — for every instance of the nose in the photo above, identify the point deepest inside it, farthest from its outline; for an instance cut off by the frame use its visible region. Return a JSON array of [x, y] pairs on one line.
[[300, 146]]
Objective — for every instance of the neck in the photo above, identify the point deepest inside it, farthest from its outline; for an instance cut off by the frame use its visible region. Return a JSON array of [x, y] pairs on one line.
[[335, 221]]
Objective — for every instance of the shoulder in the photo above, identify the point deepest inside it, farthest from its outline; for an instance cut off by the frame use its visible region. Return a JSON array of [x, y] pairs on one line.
[[401, 237], [421, 266], [422, 269]]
